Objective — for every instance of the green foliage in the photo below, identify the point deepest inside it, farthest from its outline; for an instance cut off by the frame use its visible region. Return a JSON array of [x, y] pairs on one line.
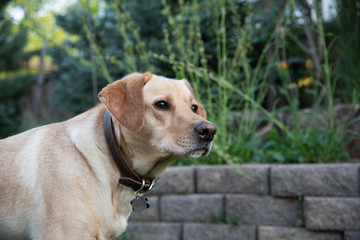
[[228, 83], [118, 47], [220, 217], [11, 93], [73, 90], [311, 145], [11, 45], [30, 7], [237, 82], [240, 56], [12, 41], [301, 222], [91, 5], [232, 66], [349, 35]]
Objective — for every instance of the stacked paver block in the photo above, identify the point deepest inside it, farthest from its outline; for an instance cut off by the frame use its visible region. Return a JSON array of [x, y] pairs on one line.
[[264, 202]]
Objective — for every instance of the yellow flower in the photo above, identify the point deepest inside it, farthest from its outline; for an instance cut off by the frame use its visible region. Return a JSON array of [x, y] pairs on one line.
[[305, 82], [283, 65], [309, 64]]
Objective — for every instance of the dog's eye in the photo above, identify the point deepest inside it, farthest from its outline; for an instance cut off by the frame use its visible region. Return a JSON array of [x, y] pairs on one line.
[[162, 105], [194, 108]]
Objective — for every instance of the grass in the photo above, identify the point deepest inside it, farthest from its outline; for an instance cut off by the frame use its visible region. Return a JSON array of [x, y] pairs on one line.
[[220, 218], [222, 94], [228, 79]]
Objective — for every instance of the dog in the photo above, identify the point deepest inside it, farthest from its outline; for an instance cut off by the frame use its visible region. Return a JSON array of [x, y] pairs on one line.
[[60, 181]]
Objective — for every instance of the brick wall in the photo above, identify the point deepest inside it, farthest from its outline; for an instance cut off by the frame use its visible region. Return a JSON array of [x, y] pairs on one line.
[[263, 202]]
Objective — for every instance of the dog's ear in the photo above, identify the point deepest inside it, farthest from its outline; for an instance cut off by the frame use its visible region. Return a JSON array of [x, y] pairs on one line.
[[125, 100]]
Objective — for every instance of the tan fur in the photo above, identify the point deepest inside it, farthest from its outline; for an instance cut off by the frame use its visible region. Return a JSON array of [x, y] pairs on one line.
[[59, 182]]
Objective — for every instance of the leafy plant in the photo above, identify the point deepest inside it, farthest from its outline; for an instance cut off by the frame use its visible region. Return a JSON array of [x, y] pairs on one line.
[[315, 146], [237, 83]]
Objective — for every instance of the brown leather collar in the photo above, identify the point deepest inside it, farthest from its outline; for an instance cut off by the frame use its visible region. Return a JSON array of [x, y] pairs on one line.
[[128, 178]]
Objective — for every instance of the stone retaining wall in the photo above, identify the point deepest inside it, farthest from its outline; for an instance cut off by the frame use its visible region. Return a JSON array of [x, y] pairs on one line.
[[263, 202]]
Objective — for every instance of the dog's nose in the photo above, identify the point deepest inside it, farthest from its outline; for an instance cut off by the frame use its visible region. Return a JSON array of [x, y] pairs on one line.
[[206, 131]]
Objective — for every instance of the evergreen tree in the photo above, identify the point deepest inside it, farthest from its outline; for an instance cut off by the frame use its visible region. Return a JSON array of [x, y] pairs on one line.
[[11, 42], [116, 36], [11, 88]]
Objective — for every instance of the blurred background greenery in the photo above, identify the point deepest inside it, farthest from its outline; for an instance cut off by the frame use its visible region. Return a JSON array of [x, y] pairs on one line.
[[280, 79]]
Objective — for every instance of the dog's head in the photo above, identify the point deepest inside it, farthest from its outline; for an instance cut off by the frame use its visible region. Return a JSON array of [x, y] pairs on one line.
[[162, 112]]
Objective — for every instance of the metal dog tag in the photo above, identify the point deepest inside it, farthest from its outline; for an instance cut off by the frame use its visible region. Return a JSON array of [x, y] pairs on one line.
[[139, 204]]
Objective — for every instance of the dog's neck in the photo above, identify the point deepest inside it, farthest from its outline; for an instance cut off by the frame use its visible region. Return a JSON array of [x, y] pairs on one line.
[[135, 153]]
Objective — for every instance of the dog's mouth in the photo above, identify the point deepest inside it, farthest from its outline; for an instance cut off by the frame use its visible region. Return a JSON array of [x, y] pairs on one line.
[[198, 151], [189, 151], [184, 147]]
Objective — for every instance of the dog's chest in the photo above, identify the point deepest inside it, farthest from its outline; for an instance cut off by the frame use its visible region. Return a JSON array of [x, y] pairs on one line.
[[114, 217]]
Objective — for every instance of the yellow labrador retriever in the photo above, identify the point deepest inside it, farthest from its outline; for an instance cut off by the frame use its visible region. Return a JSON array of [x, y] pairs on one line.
[[60, 181]]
